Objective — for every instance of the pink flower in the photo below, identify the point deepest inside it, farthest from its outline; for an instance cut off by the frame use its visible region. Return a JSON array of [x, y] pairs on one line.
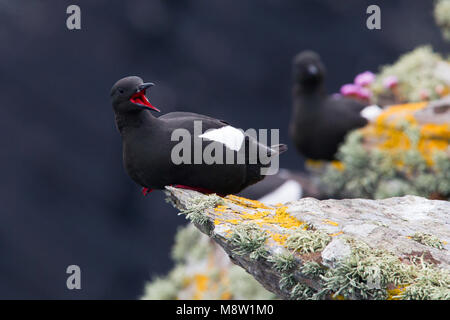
[[354, 90], [364, 93], [364, 79], [424, 94], [349, 89], [390, 82]]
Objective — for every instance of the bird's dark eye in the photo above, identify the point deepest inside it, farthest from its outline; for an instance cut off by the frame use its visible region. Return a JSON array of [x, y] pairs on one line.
[[120, 90]]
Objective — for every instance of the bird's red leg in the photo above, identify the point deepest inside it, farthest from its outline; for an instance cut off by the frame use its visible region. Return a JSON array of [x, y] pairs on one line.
[[145, 191], [202, 190]]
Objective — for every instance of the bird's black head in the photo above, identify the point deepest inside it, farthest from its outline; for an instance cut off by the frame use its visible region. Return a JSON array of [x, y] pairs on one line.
[[128, 95], [308, 70]]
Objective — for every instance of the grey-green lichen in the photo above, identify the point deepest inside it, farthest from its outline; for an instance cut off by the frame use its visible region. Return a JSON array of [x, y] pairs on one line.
[[373, 174], [442, 170], [313, 269], [287, 281], [165, 288], [307, 241], [194, 211], [428, 240], [295, 289], [368, 273], [301, 241], [302, 292], [189, 243], [429, 284], [282, 262], [362, 171], [249, 239], [442, 17], [416, 76], [365, 274]]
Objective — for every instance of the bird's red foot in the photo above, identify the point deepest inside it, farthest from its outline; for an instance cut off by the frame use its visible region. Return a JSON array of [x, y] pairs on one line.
[[145, 191]]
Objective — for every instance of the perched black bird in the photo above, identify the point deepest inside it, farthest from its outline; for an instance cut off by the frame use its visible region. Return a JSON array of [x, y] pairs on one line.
[[320, 122], [150, 145]]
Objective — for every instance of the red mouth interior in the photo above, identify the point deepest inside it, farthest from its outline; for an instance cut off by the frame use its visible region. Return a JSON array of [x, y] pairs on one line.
[[140, 98]]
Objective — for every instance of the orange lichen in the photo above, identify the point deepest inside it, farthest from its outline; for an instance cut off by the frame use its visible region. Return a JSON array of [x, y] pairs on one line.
[[246, 202], [435, 131], [327, 221], [406, 111], [279, 238], [387, 134], [201, 285], [269, 218], [336, 234], [338, 165], [315, 164], [444, 90], [226, 295], [278, 205], [220, 208], [213, 282], [272, 216], [392, 293]]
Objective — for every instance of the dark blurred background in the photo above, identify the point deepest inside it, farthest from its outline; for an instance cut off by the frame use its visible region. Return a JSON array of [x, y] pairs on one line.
[[64, 194]]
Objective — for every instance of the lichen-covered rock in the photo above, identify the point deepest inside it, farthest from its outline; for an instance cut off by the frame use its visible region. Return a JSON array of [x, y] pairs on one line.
[[335, 252], [422, 126], [419, 75], [395, 248], [405, 151]]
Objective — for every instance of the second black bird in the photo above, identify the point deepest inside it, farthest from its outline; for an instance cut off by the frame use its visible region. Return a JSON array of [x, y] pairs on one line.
[[320, 122]]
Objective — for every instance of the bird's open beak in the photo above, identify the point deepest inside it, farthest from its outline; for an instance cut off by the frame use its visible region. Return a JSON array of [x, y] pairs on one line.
[[145, 86], [140, 99]]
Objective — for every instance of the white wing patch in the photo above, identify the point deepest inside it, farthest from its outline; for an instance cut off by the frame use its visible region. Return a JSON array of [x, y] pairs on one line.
[[289, 191], [371, 112], [231, 137]]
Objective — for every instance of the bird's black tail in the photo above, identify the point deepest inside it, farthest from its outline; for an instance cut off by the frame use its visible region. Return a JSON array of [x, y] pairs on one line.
[[278, 149]]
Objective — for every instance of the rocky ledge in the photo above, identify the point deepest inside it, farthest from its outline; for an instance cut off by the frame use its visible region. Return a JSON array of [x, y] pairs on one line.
[[396, 248]]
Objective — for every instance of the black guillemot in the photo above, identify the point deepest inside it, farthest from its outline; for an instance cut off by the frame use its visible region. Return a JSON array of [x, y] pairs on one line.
[[320, 122], [148, 146]]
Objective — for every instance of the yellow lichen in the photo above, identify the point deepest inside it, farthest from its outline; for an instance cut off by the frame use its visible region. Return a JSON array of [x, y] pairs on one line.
[[269, 218], [279, 238], [386, 133], [254, 204], [338, 165], [201, 284], [315, 164], [327, 221], [393, 294]]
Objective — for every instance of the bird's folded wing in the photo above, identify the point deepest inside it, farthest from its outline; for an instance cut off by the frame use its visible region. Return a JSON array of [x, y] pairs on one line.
[[231, 137]]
